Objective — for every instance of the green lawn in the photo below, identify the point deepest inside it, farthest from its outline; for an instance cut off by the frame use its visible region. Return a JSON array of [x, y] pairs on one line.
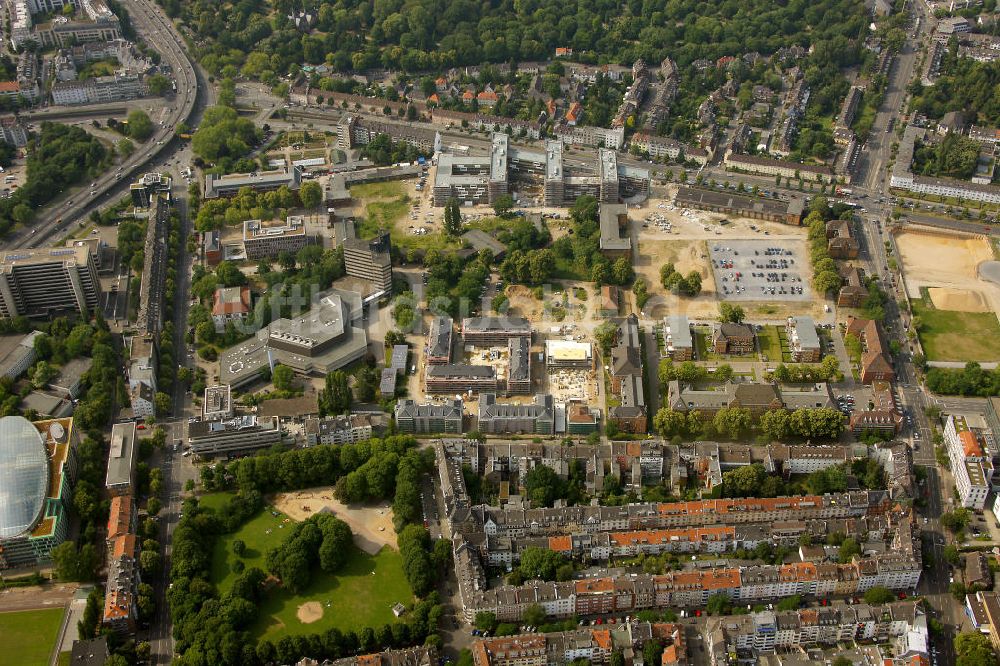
[[390, 189], [769, 343], [357, 598], [957, 336], [261, 533], [383, 215], [29, 636]]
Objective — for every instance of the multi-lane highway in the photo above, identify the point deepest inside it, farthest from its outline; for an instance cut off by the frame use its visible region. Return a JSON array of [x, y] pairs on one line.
[[160, 34]]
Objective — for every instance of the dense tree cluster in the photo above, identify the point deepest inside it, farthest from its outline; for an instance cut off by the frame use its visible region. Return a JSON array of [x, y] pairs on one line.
[[965, 85], [531, 267], [676, 283], [972, 380], [320, 539], [955, 156], [454, 285], [335, 396], [300, 468], [258, 40], [59, 156], [582, 248], [973, 648], [738, 423], [424, 561], [541, 564], [543, 486], [223, 137]]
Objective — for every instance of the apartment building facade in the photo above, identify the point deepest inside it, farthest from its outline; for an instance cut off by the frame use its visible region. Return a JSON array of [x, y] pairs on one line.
[[971, 467], [48, 281]]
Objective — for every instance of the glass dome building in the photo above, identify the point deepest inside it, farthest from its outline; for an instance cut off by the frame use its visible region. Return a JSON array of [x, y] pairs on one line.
[[37, 464]]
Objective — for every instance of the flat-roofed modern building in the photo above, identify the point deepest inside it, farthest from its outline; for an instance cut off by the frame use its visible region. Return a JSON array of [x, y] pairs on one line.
[[429, 418], [258, 181], [269, 238], [43, 282], [615, 238], [121, 459], [971, 466], [322, 340], [494, 331], [569, 354], [370, 260], [69, 382], [803, 341], [18, 354], [218, 403], [235, 436], [144, 189], [678, 343], [38, 467]]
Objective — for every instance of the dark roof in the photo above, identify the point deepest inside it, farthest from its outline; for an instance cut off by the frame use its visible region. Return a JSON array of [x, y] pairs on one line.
[[730, 330], [756, 394], [399, 355], [93, 652], [460, 370], [440, 337], [520, 359]]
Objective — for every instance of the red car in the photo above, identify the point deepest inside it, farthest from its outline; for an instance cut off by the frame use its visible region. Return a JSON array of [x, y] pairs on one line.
[[141, 426], [697, 613]]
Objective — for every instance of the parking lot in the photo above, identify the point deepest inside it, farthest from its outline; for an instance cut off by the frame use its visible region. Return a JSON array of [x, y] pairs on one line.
[[760, 270]]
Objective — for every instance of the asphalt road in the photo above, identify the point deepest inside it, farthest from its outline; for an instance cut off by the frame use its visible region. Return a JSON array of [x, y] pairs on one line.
[[72, 206]]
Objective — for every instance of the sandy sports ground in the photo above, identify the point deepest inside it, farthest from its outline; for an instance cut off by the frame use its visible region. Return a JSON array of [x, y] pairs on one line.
[[947, 265], [371, 525]]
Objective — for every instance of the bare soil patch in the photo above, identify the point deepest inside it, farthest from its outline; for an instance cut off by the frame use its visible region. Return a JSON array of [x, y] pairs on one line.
[[950, 262], [309, 612], [960, 300], [371, 524]]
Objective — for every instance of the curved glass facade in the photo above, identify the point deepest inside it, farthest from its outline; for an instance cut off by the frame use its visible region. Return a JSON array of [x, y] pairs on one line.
[[24, 476]]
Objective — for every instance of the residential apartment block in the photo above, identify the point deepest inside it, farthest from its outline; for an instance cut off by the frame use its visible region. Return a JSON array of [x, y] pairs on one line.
[[678, 343], [730, 338], [498, 418], [903, 623], [970, 465], [429, 418], [438, 351], [494, 331], [803, 341], [345, 429], [875, 363]]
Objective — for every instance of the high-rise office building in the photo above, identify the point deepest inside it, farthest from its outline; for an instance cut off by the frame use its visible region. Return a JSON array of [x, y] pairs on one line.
[[47, 281]]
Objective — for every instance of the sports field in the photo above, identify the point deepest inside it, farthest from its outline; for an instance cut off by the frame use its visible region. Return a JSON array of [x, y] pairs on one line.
[[29, 636], [950, 335]]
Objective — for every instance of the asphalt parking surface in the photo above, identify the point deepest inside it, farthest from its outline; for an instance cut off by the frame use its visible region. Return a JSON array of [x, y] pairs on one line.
[[759, 270]]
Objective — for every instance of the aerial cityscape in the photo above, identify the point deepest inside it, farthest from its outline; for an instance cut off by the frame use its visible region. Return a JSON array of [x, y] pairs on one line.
[[653, 333]]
